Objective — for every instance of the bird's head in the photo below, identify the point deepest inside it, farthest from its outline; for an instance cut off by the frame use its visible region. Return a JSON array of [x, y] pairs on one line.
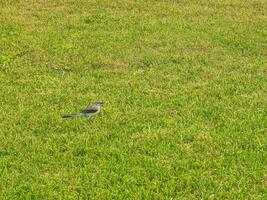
[[99, 103]]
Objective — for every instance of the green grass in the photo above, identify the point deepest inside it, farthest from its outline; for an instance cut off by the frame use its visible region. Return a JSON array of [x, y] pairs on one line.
[[185, 89]]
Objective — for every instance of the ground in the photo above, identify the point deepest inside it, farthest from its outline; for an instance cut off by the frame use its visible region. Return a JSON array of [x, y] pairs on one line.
[[185, 89]]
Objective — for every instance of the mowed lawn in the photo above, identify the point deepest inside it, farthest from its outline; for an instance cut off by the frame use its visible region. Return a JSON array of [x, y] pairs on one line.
[[185, 86]]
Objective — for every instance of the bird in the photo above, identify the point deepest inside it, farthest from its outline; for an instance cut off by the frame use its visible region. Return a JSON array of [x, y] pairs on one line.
[[88, 112]]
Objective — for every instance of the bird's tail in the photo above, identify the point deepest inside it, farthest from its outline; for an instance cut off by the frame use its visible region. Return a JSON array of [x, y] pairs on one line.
[[72, 115]]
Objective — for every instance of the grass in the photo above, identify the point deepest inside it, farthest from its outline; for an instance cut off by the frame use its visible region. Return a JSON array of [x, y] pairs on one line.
[[185, 89]]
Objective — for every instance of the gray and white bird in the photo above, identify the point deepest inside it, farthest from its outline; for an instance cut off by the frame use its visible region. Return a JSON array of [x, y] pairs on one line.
[[88, 112]]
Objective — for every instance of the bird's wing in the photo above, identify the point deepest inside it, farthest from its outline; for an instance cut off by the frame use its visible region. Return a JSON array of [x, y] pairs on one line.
[[89, 110]]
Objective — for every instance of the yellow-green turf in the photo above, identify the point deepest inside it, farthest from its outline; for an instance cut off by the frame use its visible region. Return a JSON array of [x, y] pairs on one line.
[[185, 89]]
